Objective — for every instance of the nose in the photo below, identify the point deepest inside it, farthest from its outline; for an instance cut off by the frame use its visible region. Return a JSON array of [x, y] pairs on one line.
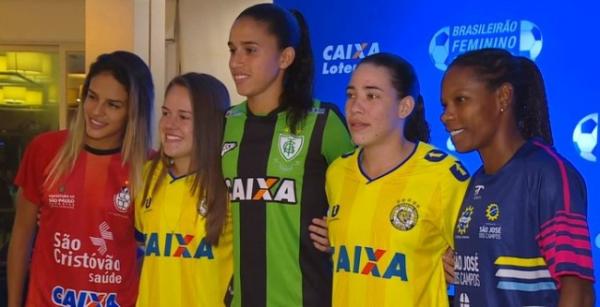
[[235, 59], [170, 121], [167, 122], [354, 105], [98, 108], [447, 115]]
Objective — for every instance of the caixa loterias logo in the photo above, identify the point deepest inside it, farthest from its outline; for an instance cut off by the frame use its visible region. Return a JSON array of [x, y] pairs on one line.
[[522, 38], [343, 58]]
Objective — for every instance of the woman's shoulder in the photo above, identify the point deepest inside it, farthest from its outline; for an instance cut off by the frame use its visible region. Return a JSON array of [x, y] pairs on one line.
[[440, 162], [49, 141], [541, 158], [52, 136]]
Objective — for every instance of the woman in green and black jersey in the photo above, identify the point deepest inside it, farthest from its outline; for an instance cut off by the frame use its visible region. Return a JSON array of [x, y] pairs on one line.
[[276, 148]]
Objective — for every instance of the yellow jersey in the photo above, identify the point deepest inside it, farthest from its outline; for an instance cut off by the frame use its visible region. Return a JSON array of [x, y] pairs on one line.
[[389, 233], [179, 267]]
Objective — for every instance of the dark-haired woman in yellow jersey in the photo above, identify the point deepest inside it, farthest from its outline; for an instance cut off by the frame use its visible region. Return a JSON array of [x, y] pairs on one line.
[[394, 200], [182, 216]]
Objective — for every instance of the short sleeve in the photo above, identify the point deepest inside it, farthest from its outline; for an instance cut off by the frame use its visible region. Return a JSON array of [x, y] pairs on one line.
[[34, 166], [564, 237]]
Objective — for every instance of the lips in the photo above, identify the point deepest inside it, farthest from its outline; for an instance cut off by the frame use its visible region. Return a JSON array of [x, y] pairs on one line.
[[239, 76], [357, 125], [96, 124], [172, 138], [456, 132]]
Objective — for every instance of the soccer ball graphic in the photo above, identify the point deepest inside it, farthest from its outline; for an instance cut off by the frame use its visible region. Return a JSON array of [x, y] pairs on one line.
[[439, 48], [530, 42], [585, 137]]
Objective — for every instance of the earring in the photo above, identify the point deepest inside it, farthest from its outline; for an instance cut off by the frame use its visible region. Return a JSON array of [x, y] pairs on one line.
[[501, 110]]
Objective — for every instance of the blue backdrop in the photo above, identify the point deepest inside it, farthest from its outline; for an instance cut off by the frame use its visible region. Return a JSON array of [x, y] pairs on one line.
[[563, 40]]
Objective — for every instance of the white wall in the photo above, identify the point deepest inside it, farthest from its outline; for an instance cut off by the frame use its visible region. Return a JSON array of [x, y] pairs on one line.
[[203, 37]]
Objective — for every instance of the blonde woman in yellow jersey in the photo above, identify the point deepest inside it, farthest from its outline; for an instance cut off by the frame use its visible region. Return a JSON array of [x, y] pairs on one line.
[[182, 217], [394, 200]]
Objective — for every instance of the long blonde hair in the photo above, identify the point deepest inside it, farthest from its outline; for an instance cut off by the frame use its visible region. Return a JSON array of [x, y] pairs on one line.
[[131, 72]]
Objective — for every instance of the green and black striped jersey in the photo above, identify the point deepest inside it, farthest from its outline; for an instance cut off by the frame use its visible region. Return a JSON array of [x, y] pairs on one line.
[[276, 182]]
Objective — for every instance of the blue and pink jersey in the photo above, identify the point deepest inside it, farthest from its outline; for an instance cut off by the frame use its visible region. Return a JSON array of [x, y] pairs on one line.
[[520, 230]]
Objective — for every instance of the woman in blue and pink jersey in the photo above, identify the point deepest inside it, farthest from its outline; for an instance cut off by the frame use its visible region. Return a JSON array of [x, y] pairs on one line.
[[79, 182], [522, 236]]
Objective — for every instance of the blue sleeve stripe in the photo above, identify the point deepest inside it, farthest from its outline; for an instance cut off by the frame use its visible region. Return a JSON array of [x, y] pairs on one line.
[[529, 287]]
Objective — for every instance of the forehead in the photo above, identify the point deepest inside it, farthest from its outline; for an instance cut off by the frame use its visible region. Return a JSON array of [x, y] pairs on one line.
[[371, 75], [106, 83], [248, 28], [462, 77], [178, 96]]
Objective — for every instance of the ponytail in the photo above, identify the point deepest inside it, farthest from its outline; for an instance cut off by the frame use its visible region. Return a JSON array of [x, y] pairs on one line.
[[298, 79], [532, 113]]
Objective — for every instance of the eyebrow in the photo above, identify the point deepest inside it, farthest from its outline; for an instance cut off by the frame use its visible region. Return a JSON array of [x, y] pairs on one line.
[[372, 87], [181, 111], [369, 87], [108, 99], [245, 43]]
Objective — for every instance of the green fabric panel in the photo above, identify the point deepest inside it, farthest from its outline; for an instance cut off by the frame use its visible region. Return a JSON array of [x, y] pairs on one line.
[[336, 138], [234, 130], [286, 161]]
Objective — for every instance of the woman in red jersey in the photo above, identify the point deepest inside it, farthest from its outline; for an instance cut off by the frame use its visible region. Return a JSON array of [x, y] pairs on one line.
[[79, 182]]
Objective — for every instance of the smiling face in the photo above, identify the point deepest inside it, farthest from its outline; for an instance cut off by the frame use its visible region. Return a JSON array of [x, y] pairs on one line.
[[256, 61], [176, 127], [373, 106], [472, 110], [105, 109]]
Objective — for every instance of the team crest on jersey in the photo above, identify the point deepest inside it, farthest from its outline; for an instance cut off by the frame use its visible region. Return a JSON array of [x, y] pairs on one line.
[[464, 220], [122, 200], [404, 216], [290, 145], [227, 147], [492, 212]]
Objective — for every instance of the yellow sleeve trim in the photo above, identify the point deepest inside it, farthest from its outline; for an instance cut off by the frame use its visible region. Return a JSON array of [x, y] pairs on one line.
[[522, 262]]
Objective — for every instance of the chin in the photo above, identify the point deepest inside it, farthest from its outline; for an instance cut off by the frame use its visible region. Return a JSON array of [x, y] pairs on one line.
[[243, 91], [359, 141], [94, 135], [463, 148]]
